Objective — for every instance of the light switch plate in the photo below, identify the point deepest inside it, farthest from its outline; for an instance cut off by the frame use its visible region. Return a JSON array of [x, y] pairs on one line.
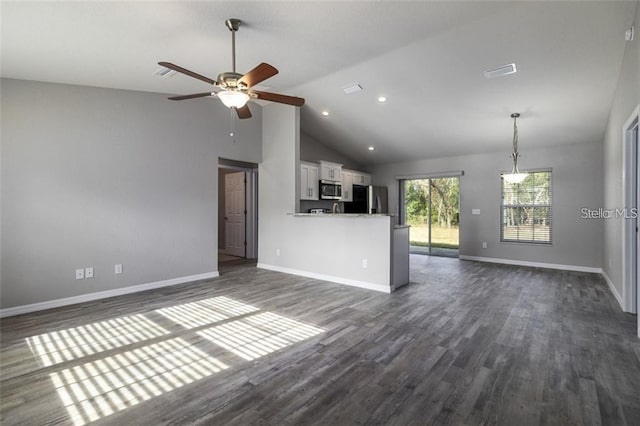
[[79, 274], [88, 272]]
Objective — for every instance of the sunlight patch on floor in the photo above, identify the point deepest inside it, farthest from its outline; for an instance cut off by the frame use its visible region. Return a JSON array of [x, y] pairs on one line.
[[206, 311], [125, 377], [66, 345], [259, 335], [97, 389]]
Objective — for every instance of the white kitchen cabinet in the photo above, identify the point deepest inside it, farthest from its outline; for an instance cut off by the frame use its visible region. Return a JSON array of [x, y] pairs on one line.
[[308, 181], [347, 186], [360, 178], [330, 171]]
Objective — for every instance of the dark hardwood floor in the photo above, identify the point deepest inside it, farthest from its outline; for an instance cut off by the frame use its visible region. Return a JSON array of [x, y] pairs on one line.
[[465, 343]]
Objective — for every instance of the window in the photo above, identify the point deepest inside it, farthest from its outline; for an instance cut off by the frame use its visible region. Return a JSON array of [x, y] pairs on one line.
[[526, 209]]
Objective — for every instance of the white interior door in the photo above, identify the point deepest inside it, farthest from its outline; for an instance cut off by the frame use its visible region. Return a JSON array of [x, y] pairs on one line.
[[235, 214]]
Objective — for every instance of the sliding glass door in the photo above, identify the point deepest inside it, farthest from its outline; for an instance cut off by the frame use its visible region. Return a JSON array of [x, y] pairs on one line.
[[431, 207]]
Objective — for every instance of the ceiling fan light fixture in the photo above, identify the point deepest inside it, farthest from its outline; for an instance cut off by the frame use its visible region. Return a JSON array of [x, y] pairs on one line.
[[233, 98]]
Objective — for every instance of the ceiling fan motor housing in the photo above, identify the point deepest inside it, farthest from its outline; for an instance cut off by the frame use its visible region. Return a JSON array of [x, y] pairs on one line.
[[230, 81]]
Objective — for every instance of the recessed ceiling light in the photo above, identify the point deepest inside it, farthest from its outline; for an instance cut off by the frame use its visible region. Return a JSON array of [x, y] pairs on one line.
[[382, 99], [325, 113], [372, 148], [501, 71]]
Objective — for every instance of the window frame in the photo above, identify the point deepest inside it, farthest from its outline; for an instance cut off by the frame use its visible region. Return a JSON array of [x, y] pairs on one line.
[[549, 206]]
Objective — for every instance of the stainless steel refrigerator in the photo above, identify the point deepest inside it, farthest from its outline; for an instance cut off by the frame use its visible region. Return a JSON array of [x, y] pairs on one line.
[[368, 199]]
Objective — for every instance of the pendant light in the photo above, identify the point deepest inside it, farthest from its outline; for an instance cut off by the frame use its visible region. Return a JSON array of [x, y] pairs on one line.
[[515, 176]]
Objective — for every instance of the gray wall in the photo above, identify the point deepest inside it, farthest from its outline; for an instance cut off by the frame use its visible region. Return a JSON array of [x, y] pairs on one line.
[[313, 150], [279, 175], [95, 177], [577, 183], [627, 97]]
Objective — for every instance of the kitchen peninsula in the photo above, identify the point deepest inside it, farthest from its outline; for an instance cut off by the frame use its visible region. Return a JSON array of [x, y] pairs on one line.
[[362, 250]]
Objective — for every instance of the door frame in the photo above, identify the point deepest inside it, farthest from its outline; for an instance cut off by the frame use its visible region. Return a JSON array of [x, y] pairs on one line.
[[251, 202], [423, 176], [630, 184]]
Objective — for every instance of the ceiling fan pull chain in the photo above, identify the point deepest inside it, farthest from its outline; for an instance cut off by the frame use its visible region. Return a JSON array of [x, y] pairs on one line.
[[233, 125], [515, 134]]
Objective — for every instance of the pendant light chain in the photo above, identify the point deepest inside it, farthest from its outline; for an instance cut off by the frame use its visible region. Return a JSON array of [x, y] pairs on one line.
[[515, 176], [515, 135], [233, 125], [515, 153]]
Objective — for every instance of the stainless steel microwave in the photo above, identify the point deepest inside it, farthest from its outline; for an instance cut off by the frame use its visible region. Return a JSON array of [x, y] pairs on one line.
[[330, 190]]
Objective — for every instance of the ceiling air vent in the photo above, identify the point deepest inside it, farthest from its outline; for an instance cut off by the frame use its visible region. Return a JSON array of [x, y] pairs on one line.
[[353, 88], [501, 71], [164, 72]]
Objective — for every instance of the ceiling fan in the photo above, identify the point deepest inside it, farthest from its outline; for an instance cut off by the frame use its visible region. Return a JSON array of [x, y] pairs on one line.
[[233, 89]]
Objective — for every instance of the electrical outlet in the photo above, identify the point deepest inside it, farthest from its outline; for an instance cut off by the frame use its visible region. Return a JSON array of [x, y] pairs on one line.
[[88, 272], [365, 264], [118, 268], [277, 252], [484, 244], [79, 274]]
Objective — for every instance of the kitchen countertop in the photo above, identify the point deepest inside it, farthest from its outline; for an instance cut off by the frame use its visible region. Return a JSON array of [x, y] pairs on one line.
[[341, 214]]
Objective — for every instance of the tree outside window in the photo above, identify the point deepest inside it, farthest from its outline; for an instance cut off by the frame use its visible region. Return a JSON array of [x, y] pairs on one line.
[[526, 213]]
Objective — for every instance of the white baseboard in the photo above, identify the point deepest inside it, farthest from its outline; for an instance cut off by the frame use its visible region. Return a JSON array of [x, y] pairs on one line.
[[613, 290], [339, 280], [533, 264], [24, 309]]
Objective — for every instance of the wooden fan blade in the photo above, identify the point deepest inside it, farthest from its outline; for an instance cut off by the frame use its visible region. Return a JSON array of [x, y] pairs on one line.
[[258, 74], [187, 72], [275, 97], [244, 112], [195, 95]]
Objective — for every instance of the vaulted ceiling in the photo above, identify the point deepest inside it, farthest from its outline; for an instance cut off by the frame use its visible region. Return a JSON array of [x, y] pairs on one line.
[[427, 58]]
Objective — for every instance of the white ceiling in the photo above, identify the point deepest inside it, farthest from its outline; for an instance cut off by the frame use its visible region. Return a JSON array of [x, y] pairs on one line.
[[427, 58]]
